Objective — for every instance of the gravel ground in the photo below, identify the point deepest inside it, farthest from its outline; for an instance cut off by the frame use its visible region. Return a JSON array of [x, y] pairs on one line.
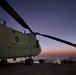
[[38, 69]]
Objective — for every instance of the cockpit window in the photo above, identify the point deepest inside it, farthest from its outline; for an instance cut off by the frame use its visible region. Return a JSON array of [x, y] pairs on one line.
[[37, 43]]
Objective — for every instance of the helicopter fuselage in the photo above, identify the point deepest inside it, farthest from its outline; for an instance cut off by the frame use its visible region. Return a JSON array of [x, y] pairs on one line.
[[15, 44]]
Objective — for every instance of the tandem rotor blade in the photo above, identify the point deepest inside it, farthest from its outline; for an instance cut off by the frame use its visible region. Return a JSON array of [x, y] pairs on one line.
[[57, 39], [13, 13]]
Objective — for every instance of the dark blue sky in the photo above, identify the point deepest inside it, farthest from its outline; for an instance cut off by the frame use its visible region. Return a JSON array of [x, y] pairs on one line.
[[53, 17]]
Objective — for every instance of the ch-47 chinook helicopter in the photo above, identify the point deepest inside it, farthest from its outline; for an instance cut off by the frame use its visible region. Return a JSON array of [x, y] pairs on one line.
[[14, 44]]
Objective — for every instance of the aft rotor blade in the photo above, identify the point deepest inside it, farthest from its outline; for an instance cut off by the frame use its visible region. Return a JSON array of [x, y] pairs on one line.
[[57, 39], [13, 13]]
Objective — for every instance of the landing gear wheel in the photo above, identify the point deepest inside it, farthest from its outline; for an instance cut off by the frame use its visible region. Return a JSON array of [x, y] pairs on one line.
[[3, 62], [29, 61], [41, 61]]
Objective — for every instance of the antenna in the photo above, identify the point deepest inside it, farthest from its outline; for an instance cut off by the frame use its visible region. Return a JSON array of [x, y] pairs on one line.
[[24, 31], [4, 22]]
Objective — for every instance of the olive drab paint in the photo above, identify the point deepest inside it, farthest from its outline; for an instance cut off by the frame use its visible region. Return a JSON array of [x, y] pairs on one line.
[[17, 44]]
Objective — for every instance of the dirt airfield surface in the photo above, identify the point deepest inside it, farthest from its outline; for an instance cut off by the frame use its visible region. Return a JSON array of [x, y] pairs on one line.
[[38, 69]]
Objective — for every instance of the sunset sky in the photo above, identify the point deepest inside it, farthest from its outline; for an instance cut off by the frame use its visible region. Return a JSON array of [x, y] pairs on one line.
[[52, 17]]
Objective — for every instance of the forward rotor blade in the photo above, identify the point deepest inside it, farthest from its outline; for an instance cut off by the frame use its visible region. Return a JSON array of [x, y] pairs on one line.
[[12, 12], [57, 39]]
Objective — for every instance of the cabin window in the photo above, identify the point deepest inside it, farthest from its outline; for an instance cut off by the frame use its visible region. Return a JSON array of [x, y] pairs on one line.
[[29, 41], [17, 39]]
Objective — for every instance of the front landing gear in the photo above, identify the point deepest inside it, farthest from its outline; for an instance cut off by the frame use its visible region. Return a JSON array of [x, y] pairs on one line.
[[29, 61]]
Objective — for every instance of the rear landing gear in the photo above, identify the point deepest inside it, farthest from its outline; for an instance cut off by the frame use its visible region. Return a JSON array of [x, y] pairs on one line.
[[3, 62], [29, 61]]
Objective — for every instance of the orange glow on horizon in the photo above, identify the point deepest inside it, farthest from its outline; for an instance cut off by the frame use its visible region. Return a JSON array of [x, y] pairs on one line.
[[62, 52]]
